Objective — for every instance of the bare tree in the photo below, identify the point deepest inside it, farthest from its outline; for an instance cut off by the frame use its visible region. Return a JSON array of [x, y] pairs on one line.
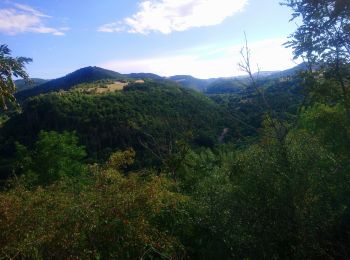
[[273, 120]]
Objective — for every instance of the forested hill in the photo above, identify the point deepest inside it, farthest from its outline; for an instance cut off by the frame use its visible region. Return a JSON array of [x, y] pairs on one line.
[[146, 116], [192, 82], [84, 75], [92, 74], [34, 82]]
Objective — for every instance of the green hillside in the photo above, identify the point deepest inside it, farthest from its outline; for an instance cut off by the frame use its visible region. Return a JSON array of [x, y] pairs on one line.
[[110, 121], [167, 110], [92, 74], [192, 82], [83, 75], [23, 85]]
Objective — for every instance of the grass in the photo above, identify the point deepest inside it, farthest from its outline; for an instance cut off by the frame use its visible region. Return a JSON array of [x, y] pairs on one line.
[[115, 86]]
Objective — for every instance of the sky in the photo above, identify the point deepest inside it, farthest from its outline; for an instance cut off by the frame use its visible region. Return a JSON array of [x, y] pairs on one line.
[[202, 38]]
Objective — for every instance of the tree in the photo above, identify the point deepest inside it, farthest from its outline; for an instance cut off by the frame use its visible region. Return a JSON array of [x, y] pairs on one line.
[[10, 67], [324, 35], [106, 214], [55, 156], [323, 39], [280, 129]]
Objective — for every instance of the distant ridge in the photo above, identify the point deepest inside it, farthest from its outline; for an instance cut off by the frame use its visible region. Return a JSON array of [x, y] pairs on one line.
[[143, 76], [84, 75], [192, 82], [23, 85], [91, 74], [292, 71]]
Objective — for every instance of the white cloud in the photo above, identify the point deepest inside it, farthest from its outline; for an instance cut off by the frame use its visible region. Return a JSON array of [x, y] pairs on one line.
[[210, 62], [31, 10], [111, 27], [166, 16], [22, 18]]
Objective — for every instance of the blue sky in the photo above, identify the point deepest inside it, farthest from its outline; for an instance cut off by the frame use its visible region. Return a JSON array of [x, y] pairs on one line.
[[196, 37]]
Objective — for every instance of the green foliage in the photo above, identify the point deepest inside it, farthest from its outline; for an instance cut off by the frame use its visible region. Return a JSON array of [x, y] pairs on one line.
[[331, 40], [330, 125], [120, 160], [269, 200], [245, 106], [323, 40], [270, 204], [10, 67], [152, 114], [282, 193], [53, 157], [109, 216]]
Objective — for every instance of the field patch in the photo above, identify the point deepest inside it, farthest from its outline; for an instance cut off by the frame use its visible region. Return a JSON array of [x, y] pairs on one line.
[[115, 86]]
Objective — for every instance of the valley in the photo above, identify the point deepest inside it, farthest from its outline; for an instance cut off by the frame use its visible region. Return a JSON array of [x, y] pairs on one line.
[[126, 163]]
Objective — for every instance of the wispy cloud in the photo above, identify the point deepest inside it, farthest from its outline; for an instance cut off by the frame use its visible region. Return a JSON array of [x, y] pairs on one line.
[[166, 16], [19, 18], [210, 61], [112, 27]]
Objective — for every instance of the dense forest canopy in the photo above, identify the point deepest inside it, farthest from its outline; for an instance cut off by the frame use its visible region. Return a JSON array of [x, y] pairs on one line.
[[108, 166]]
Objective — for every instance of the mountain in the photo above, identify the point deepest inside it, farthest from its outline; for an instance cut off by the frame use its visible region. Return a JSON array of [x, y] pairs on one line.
[[265, 79], [191, 82], [284, 73], [144, 76], [292, 71], [92, 74], [84, 75], [227, 85], [231, 84], [23, 85], [266, 73]]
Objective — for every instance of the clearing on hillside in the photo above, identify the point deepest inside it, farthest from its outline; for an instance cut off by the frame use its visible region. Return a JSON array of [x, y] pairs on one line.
[[115, 86]]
